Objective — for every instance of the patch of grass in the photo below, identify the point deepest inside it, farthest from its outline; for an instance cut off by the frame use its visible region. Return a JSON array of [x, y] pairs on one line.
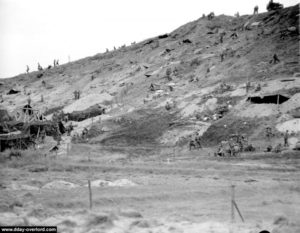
[[144, 127], [107, 102], [224, 99], [21, 158]]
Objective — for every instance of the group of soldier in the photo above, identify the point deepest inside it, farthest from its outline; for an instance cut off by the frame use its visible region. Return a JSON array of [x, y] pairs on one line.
[[248, 86], [211, 15], [195, 142], [233, 146], [278, 147], [40, 68], [234, 35], [238, 143], [76, 95], [79, 137], [60, 116], [270, 6]]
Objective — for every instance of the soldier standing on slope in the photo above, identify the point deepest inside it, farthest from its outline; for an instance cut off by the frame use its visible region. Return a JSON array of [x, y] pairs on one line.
[[286, 138], [255, 10]]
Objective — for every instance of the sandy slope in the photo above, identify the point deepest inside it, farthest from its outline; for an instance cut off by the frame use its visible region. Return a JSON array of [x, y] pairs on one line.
[[118, 79]]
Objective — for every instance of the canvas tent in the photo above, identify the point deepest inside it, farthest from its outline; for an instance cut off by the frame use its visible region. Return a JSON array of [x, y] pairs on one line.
[[268, 99]]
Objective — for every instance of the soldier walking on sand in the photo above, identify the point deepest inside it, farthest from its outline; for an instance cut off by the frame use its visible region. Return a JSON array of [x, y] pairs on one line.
[[221, 38], [198, 141], [275, 59], [248, 86], [75, 94], [255, 10], [27, 69], [286, 138], [222, 55], [234, 36], [269, 133], [40, 68]]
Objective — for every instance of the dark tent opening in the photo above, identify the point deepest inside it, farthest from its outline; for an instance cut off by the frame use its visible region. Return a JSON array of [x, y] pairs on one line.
[[12, 92], [269, 99], [187, 41], [61, 127]]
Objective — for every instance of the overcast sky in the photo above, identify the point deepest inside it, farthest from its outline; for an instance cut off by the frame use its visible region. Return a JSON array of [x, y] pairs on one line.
[[34, 31]]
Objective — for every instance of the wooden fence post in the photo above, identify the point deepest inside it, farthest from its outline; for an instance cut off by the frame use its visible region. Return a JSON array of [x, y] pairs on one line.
[[232, 201], [234, 205], [90, 194], [68, 148]]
